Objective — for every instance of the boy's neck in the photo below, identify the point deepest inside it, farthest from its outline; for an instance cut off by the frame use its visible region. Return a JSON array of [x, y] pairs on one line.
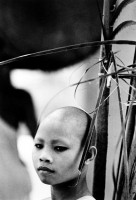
[[67, 191]]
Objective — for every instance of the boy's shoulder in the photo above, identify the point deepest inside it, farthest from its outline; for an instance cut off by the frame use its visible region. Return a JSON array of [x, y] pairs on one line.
[[86, 198]]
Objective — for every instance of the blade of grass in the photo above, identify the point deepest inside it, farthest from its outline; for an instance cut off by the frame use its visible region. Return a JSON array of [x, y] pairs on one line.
[[88, 140], [65, 48], [129, 135]]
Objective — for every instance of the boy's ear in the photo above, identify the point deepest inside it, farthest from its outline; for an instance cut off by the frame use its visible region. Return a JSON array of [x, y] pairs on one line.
[[91, 155]]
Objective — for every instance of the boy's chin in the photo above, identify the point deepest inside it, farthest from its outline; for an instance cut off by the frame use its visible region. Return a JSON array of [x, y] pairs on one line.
[[64, 183]]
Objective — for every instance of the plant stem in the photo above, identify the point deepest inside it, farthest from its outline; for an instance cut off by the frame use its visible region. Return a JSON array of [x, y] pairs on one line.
[[102, 118]]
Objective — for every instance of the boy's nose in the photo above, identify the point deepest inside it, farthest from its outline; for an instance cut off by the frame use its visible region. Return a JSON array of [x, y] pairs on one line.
[[45, 157]]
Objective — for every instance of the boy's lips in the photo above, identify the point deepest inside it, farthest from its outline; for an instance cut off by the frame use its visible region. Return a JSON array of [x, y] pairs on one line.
[[45, 169]]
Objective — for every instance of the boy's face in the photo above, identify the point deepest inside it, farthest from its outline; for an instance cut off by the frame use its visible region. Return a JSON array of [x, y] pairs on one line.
[[57, 151]]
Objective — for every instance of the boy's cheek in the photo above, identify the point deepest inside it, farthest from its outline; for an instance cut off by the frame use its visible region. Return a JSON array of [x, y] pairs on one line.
[[34, 159]]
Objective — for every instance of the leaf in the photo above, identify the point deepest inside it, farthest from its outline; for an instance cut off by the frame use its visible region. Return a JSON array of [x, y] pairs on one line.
[[62, 49], [113, 5], [92, 125], [114, 180], [117, 12], [101, 20], [121, 26], [80, 81]]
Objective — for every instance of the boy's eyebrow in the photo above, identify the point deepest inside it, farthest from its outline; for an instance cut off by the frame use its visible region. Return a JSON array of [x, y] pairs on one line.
[[39, 139], [54, 141]]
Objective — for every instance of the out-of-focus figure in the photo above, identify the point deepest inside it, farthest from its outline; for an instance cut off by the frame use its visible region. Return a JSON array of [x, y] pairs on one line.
[[15, 107]]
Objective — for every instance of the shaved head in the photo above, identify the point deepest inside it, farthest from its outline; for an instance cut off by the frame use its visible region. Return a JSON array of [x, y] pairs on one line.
[[59, 145], [73, 119]]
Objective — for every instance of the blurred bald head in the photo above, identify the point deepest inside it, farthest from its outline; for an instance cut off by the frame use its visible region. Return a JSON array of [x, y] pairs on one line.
[[70, 119]]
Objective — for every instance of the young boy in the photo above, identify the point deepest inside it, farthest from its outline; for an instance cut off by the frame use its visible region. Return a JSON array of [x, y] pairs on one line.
[[58, 148]]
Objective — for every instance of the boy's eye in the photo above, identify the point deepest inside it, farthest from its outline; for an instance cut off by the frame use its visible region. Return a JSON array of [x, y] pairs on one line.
[[60, 148], [38, 146]]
